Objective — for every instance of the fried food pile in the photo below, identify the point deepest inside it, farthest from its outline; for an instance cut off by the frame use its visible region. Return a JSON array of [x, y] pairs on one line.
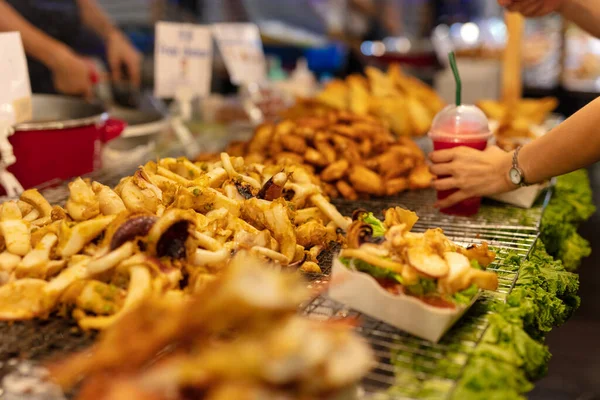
[[404, 103], [425, 265], [240, 337], [516, 123], [354, 156], [165, 230]]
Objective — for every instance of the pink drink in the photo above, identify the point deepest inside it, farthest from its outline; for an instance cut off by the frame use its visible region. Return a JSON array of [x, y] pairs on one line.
[[454, 127]]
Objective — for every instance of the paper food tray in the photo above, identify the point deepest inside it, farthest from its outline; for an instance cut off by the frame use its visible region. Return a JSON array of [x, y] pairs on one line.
[[523, 197], [362, 292]]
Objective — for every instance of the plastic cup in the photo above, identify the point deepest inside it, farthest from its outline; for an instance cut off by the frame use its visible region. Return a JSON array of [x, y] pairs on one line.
[[454, 126]]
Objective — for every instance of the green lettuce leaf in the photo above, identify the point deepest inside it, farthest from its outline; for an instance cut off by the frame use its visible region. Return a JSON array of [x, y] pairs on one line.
[[379, 228], [545, 295], [511, 352], [570, 205], [572, 250], [374, 271], [518, 347], [464, 297], [423, 287], [484, 379]]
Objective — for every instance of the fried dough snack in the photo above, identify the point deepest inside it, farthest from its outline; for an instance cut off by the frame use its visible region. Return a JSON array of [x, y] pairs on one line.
[[239, 337], [404, 103], [354, 156], [515, 122], [163, 231]]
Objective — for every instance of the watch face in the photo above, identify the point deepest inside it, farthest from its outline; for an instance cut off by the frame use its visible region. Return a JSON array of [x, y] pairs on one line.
[[515, 176]]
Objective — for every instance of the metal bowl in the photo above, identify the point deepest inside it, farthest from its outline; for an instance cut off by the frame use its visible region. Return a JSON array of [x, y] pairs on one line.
[[59, 112], [139, 123]]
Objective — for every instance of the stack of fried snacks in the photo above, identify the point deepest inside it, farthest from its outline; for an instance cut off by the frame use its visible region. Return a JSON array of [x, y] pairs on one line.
[[240, 337], [405, 103], [353, 155], [515, 122], [165, 230]]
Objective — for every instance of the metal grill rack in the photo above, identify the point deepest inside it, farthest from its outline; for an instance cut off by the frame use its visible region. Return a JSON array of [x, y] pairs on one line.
[[413, 368], [409, 367]]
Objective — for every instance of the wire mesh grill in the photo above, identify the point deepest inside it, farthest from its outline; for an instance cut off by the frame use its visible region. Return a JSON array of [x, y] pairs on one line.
[[413, 368], [409, 367], [492, 215]]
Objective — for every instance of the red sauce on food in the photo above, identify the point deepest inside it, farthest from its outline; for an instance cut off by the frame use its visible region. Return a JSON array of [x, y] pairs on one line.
[[436, 302], [395, 288], [391, 286]]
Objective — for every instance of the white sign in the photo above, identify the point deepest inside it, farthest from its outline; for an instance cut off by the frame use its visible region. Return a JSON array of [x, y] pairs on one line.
[[182, 58], [15, 89], [242, 52]]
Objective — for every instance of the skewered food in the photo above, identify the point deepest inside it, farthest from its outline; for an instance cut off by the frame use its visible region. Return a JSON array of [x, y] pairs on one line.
[[165, 230], [238, 338], [426, 265], [404, 103], [355, 156]]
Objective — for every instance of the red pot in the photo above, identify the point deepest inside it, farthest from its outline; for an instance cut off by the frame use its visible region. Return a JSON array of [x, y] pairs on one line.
[[63, 140]]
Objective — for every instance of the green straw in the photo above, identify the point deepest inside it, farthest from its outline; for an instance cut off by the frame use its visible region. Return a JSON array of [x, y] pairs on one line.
[[452, 59]]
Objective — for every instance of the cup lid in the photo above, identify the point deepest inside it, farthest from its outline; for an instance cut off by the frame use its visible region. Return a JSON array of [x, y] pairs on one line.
[[464, 122]]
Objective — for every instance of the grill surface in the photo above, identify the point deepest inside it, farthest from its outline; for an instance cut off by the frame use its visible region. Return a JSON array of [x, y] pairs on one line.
[[407, 367]]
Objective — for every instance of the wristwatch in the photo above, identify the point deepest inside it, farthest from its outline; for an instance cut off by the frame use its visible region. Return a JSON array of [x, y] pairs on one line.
[[515, 174]]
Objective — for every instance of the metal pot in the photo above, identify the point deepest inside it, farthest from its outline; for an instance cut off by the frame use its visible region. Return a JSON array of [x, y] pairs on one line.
[[63, 139], [137, 142], [139, 123]]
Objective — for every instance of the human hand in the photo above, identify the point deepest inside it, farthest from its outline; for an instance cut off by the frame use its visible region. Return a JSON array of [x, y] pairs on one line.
[[532, 8], [472, 172], [71, 73], [120, 52]]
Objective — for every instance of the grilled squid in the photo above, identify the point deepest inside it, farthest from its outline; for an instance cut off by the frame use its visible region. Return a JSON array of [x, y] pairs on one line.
[[14, 230], [169, 235], [273, 188]]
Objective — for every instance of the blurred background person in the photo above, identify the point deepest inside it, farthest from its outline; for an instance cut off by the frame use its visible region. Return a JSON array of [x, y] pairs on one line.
[[52, 32]]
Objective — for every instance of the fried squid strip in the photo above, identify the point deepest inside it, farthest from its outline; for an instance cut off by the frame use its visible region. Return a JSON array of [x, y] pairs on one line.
[[206, 241], [226, 161], [272, 254], [110, 260], [205, 257], [329, 209], [140, 287]]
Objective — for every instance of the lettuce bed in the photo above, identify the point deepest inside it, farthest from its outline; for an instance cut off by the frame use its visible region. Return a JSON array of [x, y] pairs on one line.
[[570, 205], [512, 354]]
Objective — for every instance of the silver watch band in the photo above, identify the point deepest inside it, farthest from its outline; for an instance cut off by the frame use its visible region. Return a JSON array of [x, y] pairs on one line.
[[517, 167]]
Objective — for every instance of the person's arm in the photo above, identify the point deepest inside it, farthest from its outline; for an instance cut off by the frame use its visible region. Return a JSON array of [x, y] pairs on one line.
[[118, 49], [584, 13], [36, 43], [391, 18], [572, 145], [71, 73], [365, 7], [96, 19]]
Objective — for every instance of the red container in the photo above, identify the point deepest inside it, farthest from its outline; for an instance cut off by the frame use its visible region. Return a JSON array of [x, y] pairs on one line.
[[469, 206], [455, 126], [63, 140]]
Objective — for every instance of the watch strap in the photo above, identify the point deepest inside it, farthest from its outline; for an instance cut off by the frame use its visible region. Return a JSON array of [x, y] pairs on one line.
[[517, 167]]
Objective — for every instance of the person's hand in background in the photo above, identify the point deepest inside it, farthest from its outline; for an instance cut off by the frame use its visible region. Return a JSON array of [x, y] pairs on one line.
[[471, 172], [121, 53], [532, 8], [71, 73]]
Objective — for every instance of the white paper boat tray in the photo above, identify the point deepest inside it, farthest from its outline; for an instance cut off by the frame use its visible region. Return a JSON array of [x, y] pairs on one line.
[[361, 292]]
